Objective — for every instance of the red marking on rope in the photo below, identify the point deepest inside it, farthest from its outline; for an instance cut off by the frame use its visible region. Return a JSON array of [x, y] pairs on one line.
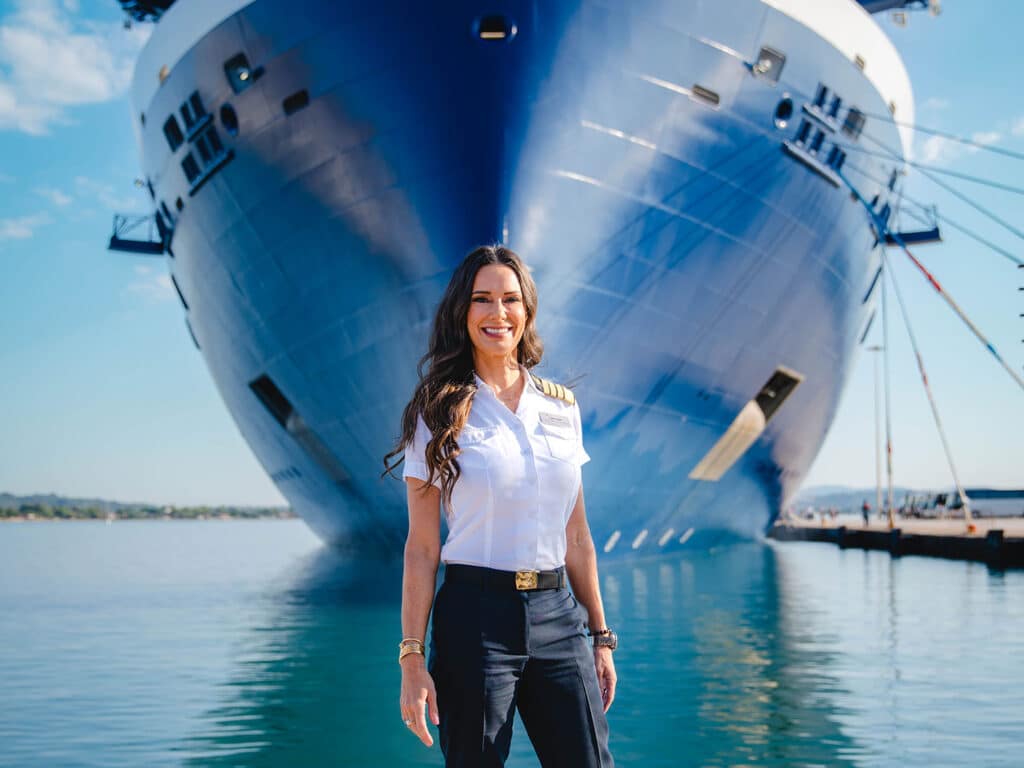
[[932, 280]]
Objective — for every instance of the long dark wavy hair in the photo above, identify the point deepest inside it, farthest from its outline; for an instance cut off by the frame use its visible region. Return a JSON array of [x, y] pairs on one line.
[[444, 394]]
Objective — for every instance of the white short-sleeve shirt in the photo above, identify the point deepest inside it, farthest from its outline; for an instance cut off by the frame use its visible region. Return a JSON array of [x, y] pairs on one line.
[[520, 479]]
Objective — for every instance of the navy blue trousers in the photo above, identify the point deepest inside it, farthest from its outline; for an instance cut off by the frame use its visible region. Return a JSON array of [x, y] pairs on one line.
[[493, 650]]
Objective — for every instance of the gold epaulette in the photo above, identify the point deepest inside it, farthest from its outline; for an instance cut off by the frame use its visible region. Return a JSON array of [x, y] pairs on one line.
[[551, 389]]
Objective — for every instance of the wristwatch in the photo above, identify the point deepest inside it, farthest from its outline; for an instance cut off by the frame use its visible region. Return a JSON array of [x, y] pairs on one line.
[[605, 638]]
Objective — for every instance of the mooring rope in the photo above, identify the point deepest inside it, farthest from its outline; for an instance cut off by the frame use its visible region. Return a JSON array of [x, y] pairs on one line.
[[883, 229]]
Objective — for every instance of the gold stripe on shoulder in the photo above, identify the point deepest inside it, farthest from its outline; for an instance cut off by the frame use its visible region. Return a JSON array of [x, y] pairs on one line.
[[551, 389]]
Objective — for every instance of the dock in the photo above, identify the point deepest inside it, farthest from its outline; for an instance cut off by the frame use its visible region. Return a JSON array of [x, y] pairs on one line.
[[999, 542]]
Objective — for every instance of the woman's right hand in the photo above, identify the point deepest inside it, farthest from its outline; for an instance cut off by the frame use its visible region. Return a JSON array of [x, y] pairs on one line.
[[417, 690]]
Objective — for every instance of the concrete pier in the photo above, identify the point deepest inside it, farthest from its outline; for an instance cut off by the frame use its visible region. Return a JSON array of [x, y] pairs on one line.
[[999, 542]]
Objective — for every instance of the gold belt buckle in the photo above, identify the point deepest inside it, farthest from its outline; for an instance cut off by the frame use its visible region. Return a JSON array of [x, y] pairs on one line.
[[526, 580]]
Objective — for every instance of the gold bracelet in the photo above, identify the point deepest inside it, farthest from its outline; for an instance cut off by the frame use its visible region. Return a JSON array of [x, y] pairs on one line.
[[409, 650]]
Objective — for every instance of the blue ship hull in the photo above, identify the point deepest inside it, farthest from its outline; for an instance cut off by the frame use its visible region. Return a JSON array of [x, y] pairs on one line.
[[682, 254]]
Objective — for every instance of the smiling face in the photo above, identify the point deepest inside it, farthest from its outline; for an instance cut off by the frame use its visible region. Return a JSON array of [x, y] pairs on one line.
[[497, 313]]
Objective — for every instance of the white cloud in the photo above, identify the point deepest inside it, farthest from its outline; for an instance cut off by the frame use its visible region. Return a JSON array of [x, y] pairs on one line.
[[1018, 127], [22, 228], [55, 196], [6, 178], [119, 201], [936, 103], [50, 61], [937, 150], [151, 285], [986, 137]]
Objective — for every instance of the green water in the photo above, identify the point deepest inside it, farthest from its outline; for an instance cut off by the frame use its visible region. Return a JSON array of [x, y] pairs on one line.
[[248, 644]]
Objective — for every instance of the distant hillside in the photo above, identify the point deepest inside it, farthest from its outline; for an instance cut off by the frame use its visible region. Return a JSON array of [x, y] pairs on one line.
[[8, 501], [49, 506], [847, 499]]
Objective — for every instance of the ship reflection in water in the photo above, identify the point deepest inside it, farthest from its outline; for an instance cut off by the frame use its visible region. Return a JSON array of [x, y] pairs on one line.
[[740, 656], [247, 644]]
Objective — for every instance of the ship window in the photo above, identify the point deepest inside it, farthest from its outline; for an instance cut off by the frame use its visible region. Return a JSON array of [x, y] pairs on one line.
[[239, 75], [819, 139], [192, 110], [833, 109], [295, 102], [803, 133], [204, 151], [190, 167], [178, 204], [832, 155], [175, 138], [820, 96], [775, 392], [229, 119], [273, 399], [181, 296], [854, 123], [209, 146]]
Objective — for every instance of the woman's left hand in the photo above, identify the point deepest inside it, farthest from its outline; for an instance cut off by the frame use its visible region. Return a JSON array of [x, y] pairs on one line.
[[606, 677]]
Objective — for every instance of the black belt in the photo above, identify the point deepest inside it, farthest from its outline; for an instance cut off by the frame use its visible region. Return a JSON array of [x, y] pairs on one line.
[[524, 581]]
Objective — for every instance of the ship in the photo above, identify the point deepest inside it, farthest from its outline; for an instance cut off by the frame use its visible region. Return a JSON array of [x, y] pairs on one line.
[[676, 173]]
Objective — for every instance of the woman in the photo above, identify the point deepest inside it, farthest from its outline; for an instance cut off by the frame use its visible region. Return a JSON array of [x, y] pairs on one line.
[[501, 451]]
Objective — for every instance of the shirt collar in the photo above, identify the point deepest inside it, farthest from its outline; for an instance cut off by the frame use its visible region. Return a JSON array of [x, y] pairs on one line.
[[483, 385]]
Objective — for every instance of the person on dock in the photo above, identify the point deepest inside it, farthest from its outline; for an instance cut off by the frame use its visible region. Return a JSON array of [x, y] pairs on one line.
[[865, 511], [499, 450]]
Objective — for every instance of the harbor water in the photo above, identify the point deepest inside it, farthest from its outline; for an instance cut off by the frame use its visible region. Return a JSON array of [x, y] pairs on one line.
[[231, 643]]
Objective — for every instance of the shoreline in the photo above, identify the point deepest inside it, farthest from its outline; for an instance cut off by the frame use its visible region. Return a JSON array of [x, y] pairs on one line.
[[117, 519]]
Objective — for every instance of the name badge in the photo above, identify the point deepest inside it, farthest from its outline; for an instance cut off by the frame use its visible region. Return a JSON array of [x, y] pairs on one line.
[[555, 420]]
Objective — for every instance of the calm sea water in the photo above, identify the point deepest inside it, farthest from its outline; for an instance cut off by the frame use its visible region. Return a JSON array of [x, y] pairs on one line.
[[248, 644]]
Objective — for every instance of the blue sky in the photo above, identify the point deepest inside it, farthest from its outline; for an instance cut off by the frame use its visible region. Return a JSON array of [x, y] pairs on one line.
[[103, 394]]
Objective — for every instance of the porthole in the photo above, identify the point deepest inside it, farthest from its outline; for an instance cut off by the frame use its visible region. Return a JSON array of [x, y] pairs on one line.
[[178, 204], [783, 112], [229, 119]]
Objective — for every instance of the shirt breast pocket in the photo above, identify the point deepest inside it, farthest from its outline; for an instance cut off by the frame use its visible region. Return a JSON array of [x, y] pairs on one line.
[[476, 444], [561, 441]]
